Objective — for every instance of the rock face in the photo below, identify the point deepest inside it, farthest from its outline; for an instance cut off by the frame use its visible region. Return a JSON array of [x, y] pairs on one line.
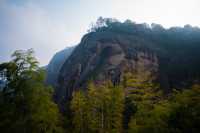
[[55, 65], [172, 56], [100, 57]]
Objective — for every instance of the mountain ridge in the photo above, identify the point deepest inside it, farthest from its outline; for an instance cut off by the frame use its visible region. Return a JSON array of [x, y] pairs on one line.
[[55, 65], [112, 47]]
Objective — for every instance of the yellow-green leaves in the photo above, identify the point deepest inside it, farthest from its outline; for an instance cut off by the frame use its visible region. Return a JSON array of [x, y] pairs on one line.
[[99, 110]]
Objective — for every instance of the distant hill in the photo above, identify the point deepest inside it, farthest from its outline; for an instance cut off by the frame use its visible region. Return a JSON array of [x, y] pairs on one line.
[[112, 48], [55, 65]]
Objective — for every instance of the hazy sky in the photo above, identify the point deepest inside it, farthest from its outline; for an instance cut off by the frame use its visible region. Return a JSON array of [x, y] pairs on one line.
[[51, 25]]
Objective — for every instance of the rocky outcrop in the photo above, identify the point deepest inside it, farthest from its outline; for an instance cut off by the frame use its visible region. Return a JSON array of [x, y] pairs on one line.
[[101, 57], [171, 56]]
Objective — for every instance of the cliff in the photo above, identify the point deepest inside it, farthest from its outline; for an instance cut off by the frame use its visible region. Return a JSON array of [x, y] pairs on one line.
[[108, 51]]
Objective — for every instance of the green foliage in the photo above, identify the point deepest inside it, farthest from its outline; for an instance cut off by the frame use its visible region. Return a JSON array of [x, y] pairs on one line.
[[142, 95], [178, 114], [103, 106], [26, 102], [185, 111], [102, 23], [157, 113], [79, 106]]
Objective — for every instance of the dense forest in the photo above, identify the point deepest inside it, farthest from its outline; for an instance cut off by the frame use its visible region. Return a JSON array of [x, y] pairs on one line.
[[27, 105]]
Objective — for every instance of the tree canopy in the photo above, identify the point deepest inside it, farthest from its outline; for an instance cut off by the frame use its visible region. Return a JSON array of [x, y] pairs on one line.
[[26, 103]]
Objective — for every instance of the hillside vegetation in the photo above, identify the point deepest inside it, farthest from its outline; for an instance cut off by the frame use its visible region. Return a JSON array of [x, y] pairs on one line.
[[122, 78]]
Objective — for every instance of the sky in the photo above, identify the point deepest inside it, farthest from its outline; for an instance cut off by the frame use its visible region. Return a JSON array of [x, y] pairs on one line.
[[49, 26]]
